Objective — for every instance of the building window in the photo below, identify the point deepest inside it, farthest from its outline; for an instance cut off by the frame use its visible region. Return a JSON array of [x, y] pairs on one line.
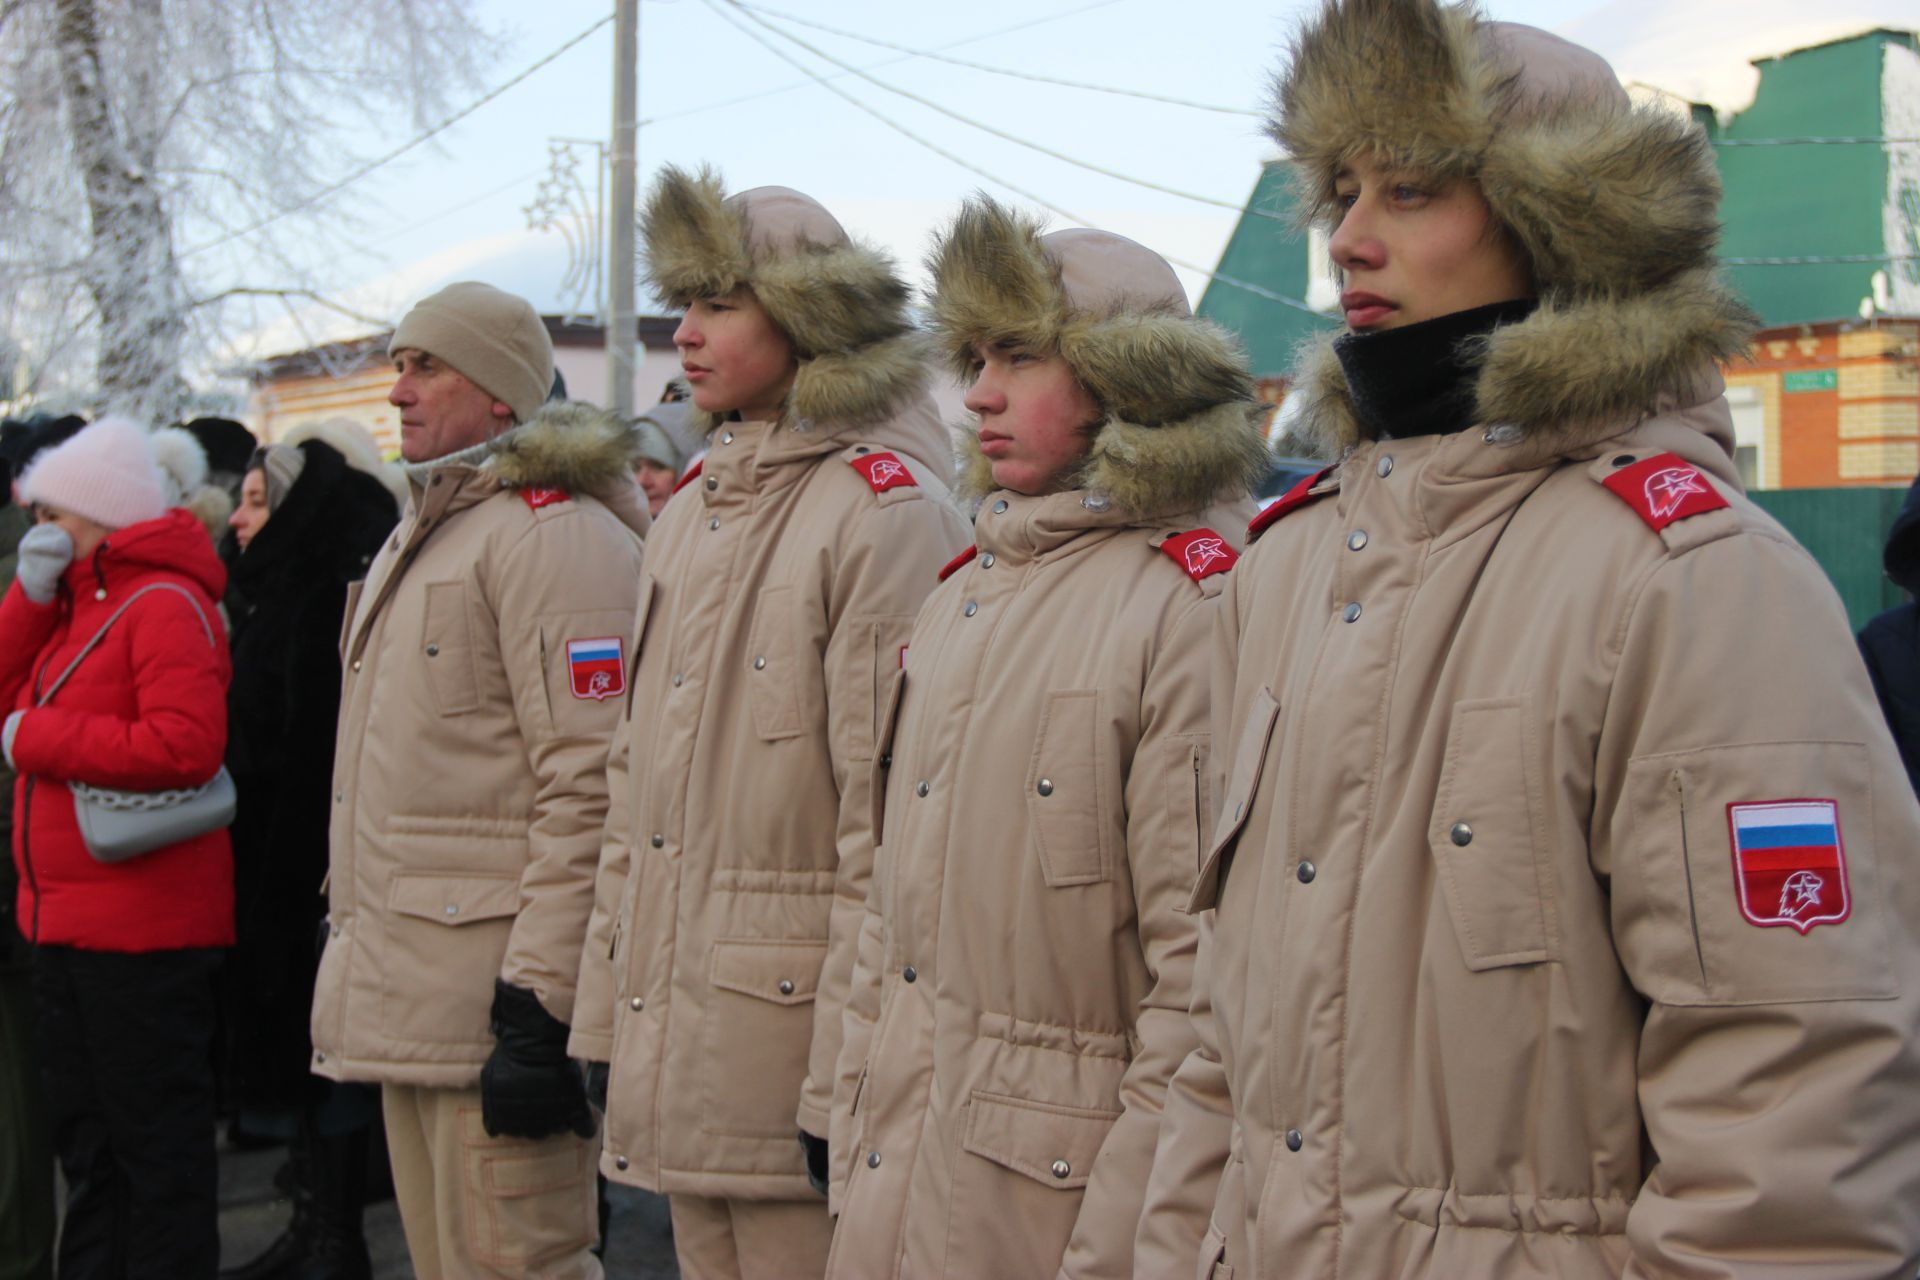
[[1749, 435]]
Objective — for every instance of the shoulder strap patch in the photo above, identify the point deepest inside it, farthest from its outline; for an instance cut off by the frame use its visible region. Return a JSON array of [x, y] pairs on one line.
[[954, 565], [1663, 489], [691, 476], [1201, 552], [1292, 500], [538, 498], [883, 471]]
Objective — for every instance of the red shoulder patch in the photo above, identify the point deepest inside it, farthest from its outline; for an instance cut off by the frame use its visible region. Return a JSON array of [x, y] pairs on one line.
[[538, 498], [691, 476], [884, 471], [1202, 553], [1664, 488], [953, 566], [1292, 500]]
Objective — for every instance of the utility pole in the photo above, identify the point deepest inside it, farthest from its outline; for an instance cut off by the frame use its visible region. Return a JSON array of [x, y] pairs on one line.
[[623, 326]]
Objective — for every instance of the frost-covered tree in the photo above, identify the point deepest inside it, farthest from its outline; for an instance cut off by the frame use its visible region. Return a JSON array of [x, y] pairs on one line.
[[143, 141]]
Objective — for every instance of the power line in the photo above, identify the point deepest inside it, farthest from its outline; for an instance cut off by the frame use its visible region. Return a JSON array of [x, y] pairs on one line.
[[1002, 134], [720, 8], [1849, 141], [1001, 71], [396, 153], [1822, 260]]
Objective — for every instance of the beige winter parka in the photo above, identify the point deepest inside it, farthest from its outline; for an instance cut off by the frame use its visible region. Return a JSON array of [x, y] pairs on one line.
[[780, 589], [470, 780]]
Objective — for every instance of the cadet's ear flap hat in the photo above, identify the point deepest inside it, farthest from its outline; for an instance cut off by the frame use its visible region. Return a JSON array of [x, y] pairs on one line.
[[1616, 206], [840, 303], [1180, 428]]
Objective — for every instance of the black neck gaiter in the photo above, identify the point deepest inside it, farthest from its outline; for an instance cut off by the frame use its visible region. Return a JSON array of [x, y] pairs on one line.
[[1418, 380]]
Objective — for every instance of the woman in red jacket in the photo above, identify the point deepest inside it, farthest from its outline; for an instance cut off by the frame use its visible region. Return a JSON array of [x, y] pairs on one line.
[[125, 951]]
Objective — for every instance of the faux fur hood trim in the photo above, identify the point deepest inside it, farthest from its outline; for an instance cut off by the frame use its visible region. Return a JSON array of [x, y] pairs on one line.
[[568, 445], [1571, 373], [1606, 198], [993, 282], [842, 305], [1215, 455]]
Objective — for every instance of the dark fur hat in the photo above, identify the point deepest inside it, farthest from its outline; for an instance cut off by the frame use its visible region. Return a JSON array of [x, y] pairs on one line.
[[1180, 429], [840, 303]]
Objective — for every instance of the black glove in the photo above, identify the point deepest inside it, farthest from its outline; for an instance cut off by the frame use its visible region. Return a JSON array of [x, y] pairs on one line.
[[530, 1088], [597, 1077], [816, 1151]]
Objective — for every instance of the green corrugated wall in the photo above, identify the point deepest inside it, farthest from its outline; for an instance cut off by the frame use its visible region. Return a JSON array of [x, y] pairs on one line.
[[1845, 530]]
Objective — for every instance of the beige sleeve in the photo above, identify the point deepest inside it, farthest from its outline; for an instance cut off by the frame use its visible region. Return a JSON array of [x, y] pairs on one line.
[[890, 562], [1778, 1066], [570, 577]]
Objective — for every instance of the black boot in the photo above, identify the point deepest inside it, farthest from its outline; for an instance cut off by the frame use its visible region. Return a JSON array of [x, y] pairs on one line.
[[279, 1258], [337, 1249]]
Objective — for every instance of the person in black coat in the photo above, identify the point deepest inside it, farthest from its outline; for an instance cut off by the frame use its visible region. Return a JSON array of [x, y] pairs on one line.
[[1891, 641], [308, 523]]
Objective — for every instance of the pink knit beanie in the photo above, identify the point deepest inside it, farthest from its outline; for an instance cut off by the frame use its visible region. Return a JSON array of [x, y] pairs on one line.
[[105, 472]]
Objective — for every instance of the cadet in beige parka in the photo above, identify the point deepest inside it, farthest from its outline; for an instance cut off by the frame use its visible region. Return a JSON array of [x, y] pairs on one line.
[[1021, 997], [1563, 899], [781, 585]]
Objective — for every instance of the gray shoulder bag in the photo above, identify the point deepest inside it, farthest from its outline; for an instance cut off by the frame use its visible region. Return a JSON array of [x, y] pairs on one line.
[[118, 825]]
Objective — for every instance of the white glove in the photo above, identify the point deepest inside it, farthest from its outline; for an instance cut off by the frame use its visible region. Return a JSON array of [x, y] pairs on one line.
[[6, 736], [45, 552]]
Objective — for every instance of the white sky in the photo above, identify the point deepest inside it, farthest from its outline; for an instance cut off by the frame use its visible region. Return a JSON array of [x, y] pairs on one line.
[[453, 209]]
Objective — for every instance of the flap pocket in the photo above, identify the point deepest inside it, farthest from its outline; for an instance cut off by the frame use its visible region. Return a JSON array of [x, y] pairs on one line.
[[1054, 1145], [454, 900], [1249, 759], [1066, 791], [773, 666], [777, 972], [882, 764], [1488, 835], [446, 646]]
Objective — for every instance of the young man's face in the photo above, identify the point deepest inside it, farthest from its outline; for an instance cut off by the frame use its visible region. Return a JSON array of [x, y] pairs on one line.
[[656, 481], [1034, 417], [441, 412], [735, 357]]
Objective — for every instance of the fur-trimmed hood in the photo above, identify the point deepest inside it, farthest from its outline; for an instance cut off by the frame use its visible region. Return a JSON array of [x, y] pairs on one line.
[[580, 448], [1181, 421], [1615, 206], [841, 303]]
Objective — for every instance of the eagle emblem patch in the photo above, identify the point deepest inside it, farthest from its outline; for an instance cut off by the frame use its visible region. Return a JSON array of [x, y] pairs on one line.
[[595, 669], [1789, 865]]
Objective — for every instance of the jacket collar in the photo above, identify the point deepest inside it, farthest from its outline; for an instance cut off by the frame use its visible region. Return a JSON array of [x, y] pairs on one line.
[[1028, 528]]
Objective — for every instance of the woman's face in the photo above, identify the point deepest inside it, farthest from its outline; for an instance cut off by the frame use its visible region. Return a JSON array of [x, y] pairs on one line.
[[1034, 417], [1410, 250], [735, 358], [87, 534], [248, 518]]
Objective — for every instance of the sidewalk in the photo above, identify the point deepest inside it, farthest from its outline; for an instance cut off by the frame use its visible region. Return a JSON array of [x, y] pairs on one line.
[[639, 1241]]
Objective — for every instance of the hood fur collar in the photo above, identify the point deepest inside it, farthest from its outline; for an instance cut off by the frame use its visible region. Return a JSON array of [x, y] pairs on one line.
[[1571, 373], [569, 445]]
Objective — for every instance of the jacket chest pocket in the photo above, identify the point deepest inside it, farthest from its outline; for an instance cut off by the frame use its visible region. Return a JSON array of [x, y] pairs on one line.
[[1249, 761], [773, 667], [446, 647], [1067, 792], [1488, 835]]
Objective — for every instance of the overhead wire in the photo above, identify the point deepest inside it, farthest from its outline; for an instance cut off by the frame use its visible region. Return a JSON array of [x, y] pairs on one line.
[[937, 56], [720, 8]]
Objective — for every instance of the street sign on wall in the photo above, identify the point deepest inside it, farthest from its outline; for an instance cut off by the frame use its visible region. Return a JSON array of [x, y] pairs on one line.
[[1810, 380]]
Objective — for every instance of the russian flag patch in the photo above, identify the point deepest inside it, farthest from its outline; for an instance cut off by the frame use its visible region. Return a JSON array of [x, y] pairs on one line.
[[595, 668], [1789, 864]]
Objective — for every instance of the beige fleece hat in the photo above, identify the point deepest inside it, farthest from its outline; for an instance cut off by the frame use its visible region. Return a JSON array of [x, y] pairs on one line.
[[492, 337]]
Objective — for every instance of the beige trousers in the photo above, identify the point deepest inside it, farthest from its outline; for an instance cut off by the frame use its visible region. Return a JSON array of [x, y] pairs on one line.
[[750, 1239], [475, 1206]]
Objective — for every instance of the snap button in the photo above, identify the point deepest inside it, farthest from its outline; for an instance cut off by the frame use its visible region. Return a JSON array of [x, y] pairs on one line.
[[873, 1159], [860, 448], [636, 1004], [971, 609], [1624, 460], [726, 437], [433, 651], [1061, 1168], [677, 679], [659, 841], [1000, 507], [886, 761], [319, 1057], [759, 664], [909, 974], [713, 482], [356, 664], [1294, 1140], [786, 986], [100, 593], [1356, 540], [1352, 612], [1461, 834], [1046, 787], [986, 561], [620, 1162], [1384, 467], [1306, 873], [714, 523], [453, 909], [921, 789]]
